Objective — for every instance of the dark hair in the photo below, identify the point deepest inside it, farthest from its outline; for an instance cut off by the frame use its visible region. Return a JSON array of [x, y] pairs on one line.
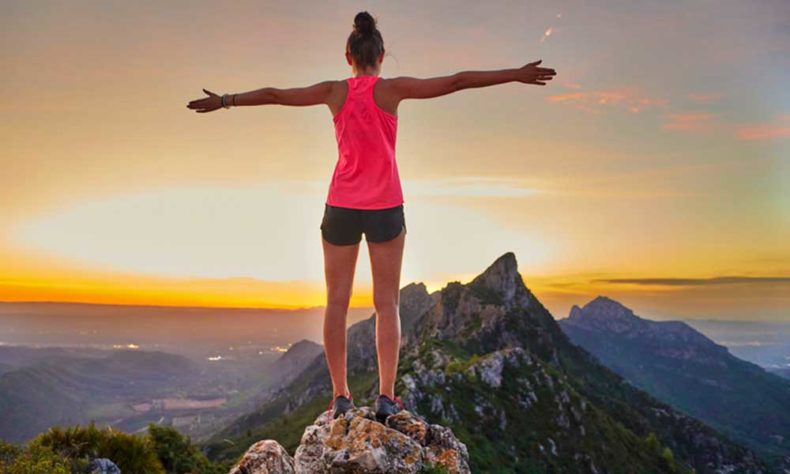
[[365, 43]]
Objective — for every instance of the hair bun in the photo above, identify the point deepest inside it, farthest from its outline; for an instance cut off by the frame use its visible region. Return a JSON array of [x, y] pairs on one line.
[[364, 24]]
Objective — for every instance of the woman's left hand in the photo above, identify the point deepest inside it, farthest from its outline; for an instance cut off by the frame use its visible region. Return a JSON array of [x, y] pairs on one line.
[[207, 104], [532, 74]]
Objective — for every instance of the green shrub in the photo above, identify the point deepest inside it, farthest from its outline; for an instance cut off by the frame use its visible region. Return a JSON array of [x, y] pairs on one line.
[[163, 450], [8, 452], [177, 453], [460, 365], [37, 459], [132, 454]]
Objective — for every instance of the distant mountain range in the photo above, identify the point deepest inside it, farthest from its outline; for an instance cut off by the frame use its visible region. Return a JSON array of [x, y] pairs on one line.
[[488, 360], [62, 387], [44, 387], [680, 366]]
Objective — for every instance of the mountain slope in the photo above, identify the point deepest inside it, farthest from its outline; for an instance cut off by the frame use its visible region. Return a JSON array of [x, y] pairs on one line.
[[784, 372], [488, 360], [682, 367]]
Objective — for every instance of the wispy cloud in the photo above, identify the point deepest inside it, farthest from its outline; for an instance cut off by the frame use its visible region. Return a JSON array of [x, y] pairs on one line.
[[690, 121], [699, 121], [595, 101], [722, 280], [705, 122], [704, 97], [763, 132], [472, 186], [766, 131]]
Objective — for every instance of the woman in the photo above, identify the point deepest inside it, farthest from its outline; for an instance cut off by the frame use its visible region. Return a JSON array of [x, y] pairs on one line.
[[365, 195]]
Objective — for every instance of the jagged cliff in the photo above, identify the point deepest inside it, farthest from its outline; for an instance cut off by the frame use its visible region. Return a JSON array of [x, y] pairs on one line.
[[487, 360]]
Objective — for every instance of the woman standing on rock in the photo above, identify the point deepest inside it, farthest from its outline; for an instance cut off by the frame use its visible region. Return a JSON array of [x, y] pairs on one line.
[[365, 195]]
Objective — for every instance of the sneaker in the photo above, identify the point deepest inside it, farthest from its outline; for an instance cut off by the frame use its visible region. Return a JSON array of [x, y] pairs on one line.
[[386, 406], [341, 404]]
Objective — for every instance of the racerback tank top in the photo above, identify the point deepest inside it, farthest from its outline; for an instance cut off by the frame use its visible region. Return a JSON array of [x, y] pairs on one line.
[[366, 173]]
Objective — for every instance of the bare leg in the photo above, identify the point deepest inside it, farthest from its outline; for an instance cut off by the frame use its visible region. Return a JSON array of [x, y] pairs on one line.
[[385, 261], [339, 265]]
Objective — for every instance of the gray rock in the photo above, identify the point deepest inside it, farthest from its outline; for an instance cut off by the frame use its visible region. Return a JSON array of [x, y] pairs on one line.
[[356, 443], [265, 457], [103, 466]]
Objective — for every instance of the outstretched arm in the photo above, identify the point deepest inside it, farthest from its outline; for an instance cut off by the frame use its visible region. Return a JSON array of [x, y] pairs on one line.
[[414, 88], [310, 95]]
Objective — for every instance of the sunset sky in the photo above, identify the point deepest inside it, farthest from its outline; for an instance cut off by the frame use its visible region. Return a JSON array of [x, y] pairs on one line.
[[654, 168]]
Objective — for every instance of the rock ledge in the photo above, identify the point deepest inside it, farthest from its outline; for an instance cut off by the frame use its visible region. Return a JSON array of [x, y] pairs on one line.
[[357, 443]]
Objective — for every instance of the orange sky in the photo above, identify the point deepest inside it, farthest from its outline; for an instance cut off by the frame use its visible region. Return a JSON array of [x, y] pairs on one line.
[[655, 162]]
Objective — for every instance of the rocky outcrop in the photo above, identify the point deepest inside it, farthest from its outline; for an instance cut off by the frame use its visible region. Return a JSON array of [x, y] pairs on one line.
[[357, 443]]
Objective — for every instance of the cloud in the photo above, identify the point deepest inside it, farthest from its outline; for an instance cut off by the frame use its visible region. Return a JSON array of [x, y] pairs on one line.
[[471, 186], [627, 98], [704, 97], [699, 121], [779, 128], [690, 121], [763, 132], [703, 121], [722, 280]]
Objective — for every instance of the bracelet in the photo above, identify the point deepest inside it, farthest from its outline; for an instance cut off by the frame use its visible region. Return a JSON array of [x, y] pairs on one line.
[[222, 101]]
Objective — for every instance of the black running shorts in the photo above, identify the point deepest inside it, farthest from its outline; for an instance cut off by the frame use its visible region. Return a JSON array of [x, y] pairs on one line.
[[345, 226]]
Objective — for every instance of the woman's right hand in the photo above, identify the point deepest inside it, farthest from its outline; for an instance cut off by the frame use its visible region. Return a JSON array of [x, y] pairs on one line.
[[206, 104], [531, 74]]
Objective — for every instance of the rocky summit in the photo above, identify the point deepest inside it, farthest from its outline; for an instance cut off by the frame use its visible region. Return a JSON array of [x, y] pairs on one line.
[[356, 443]]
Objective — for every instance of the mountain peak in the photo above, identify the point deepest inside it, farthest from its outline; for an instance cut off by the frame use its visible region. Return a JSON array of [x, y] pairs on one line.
[[604, 307], [502, 276], [414, 288], [603, 311], [506, 263], [499, 273]]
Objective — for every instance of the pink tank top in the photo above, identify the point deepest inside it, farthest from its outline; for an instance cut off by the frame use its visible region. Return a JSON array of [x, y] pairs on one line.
[[366, 174]]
